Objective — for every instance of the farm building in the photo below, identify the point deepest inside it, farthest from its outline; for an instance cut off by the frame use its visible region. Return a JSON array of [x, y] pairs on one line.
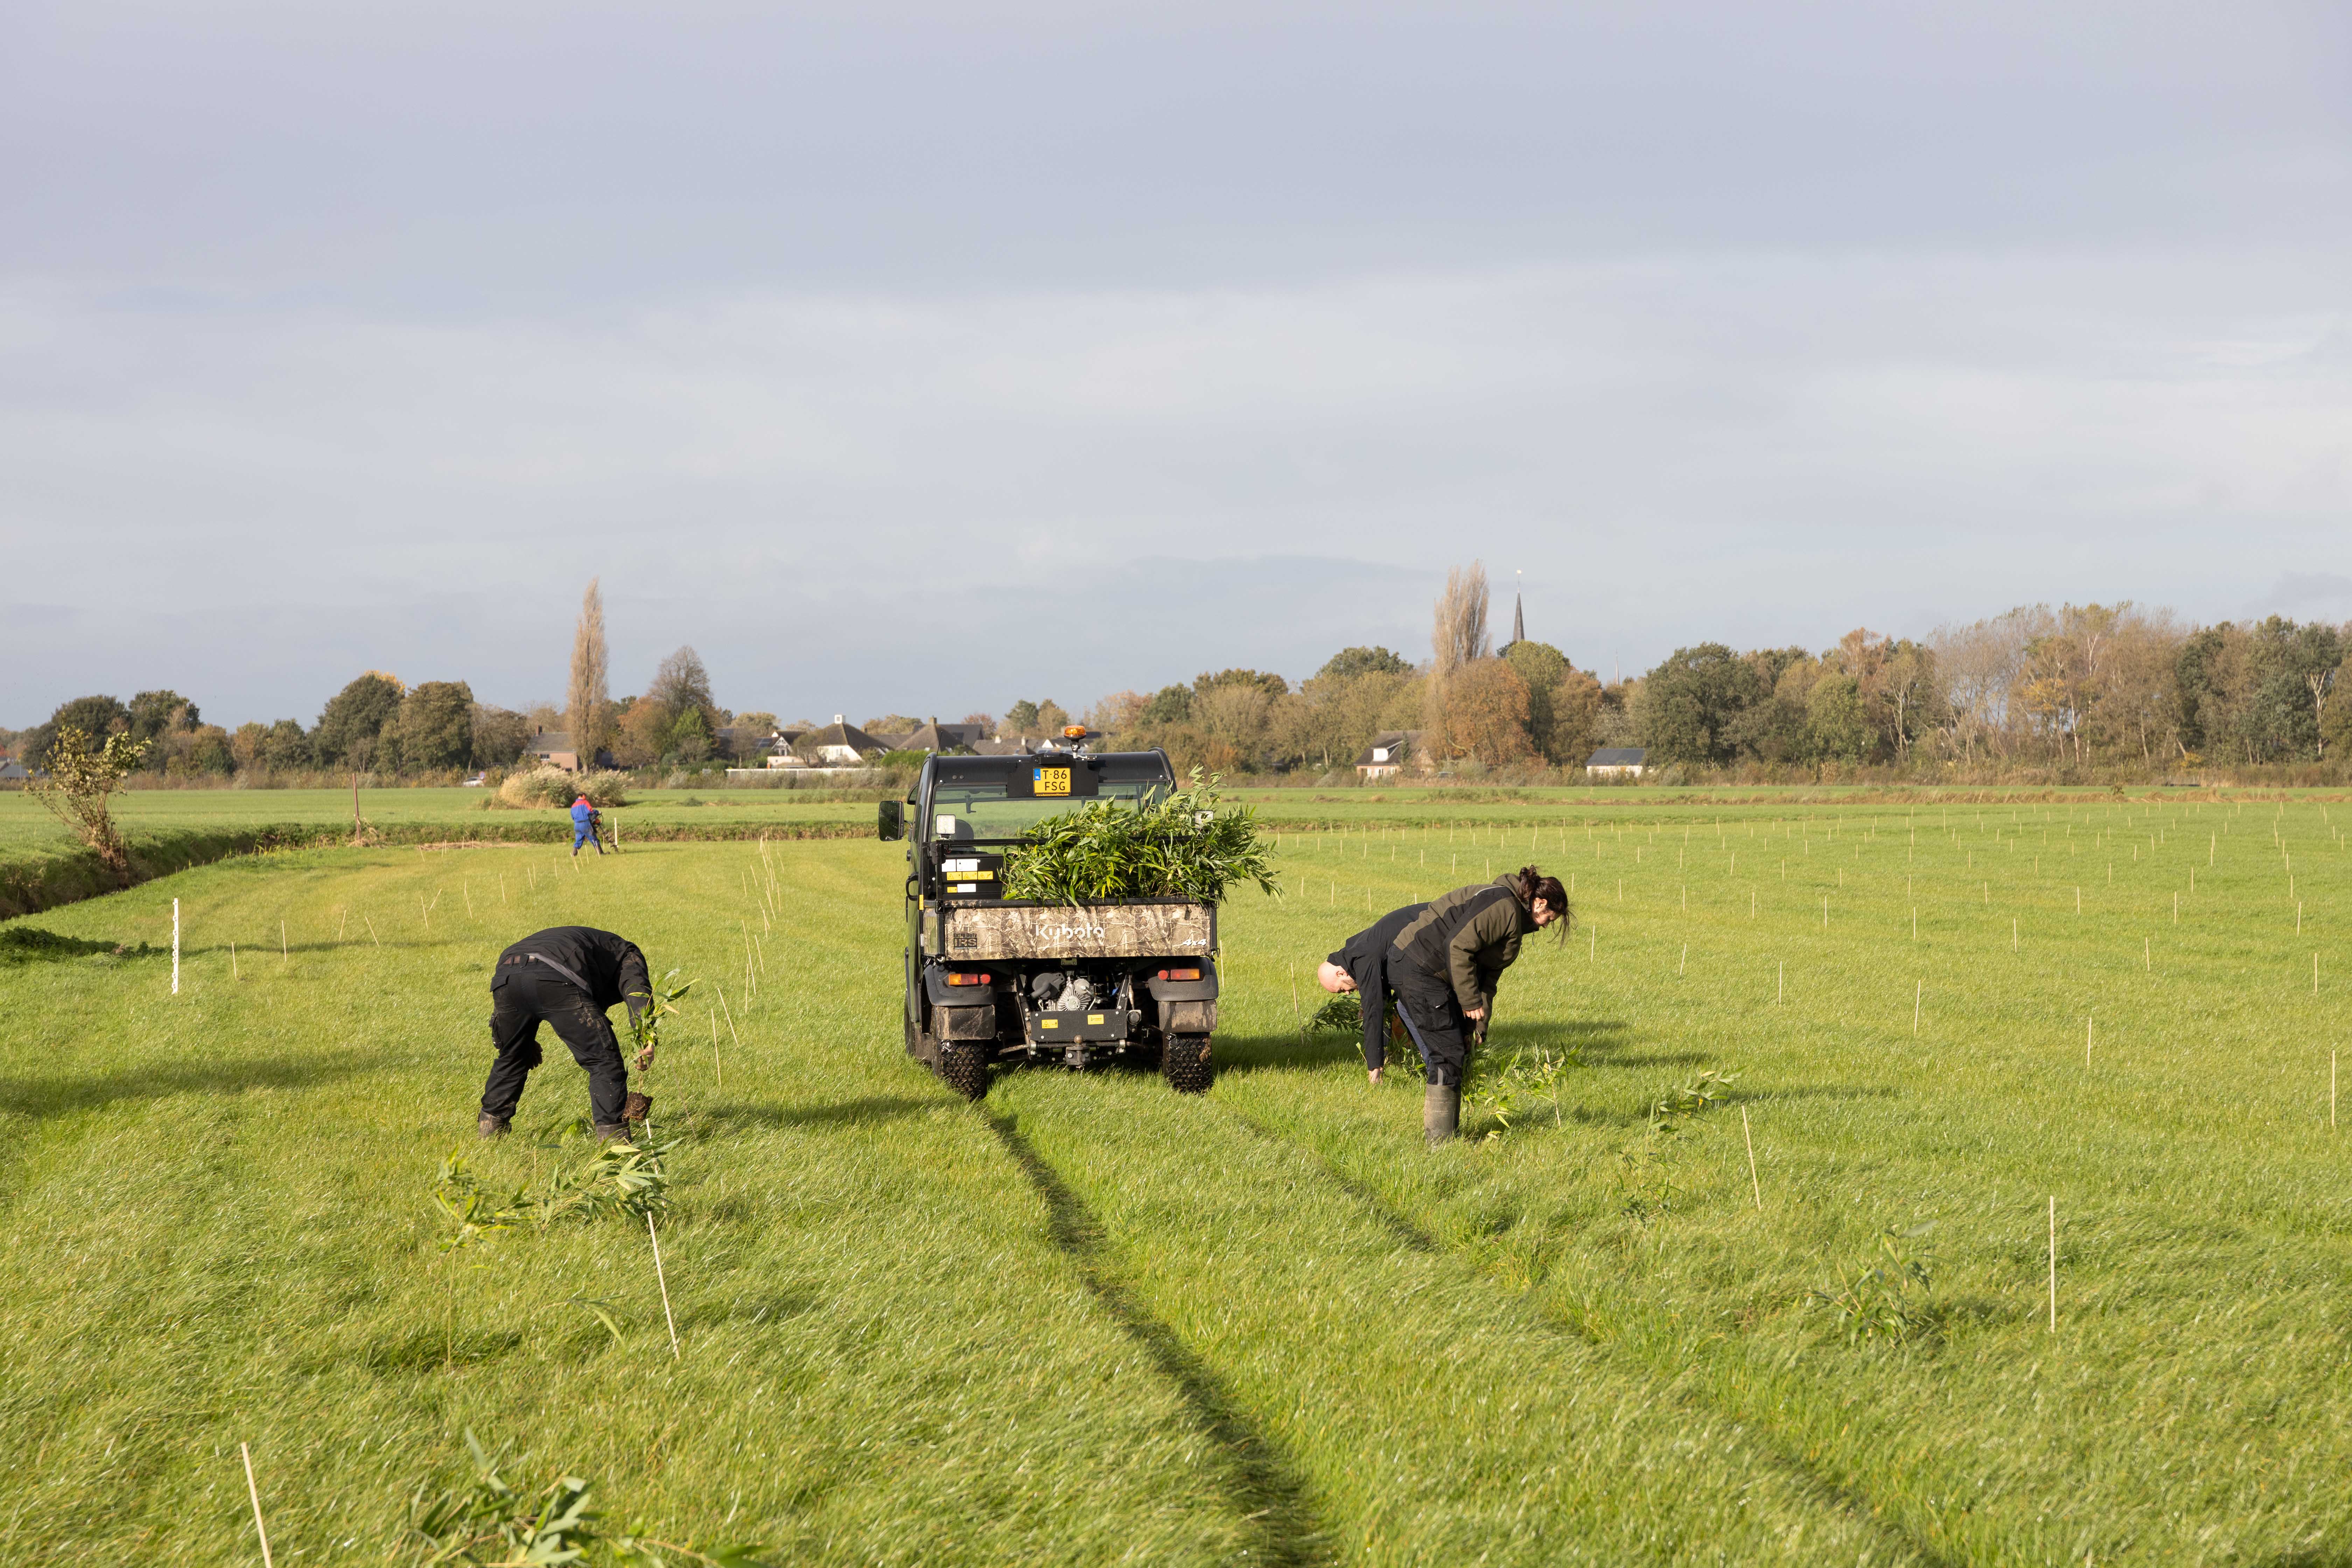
[[1387, 755], [1617, 762], [12, 771], [554, 748]]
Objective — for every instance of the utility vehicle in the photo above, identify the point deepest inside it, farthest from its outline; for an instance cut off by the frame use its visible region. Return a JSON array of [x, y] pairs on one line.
[[992, 980]]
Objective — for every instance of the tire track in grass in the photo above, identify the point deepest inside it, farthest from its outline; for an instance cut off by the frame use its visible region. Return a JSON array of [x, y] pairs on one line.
[[1838, 1492], [1264, 1485], [1431, 1419]]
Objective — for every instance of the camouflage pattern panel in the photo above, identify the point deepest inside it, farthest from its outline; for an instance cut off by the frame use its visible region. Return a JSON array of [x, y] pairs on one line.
[[1080, 931]]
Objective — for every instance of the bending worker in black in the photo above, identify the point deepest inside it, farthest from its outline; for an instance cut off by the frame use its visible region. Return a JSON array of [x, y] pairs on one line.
[[1441, 961], [566, 976]]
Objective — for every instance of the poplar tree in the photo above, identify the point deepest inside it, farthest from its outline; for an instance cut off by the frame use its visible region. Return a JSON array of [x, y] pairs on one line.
[[586, 700]]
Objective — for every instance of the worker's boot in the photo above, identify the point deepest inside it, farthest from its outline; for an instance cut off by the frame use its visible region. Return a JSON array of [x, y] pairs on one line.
[[490, 1126], [1441, 1113], [611, 1132]]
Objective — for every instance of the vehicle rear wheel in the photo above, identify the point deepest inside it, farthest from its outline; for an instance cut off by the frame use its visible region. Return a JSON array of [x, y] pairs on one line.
[[963, 1067], [1185, 1063]]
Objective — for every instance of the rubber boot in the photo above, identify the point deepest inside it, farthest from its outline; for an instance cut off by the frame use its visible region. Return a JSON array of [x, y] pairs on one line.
[[1441, 1113], [611, 1132], [490, 1126]]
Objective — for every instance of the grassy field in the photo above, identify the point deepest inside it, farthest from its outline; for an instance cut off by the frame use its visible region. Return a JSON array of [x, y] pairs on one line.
[[1087, 1321]]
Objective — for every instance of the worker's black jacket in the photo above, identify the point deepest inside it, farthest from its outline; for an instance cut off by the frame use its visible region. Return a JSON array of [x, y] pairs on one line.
[[1366, 959], [1466, 939], [610, 966]]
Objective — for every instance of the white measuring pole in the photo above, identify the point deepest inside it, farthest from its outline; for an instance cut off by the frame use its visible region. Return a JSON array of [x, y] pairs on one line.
[[175, 947]]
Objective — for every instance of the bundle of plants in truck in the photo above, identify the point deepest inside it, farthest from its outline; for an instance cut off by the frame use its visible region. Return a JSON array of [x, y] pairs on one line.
[[1188, 844]]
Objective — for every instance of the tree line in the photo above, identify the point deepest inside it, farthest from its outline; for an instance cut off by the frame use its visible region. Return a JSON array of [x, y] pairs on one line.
[[2081, 690]]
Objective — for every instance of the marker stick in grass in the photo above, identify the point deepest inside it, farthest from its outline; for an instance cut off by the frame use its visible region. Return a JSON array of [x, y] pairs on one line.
[[1781, 990], [2053, 1263], [254, 1492], [1753, 1186], [175, 947], [233, 974], [1918, 994], [663, 1280]]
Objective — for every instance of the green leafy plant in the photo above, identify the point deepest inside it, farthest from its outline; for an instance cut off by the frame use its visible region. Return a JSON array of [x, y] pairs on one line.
[[1707, 1088], [646, 1023], [618, 1178], [1187, 844], [79, 779], [487, 1522], [1343, 1014], [1513, 1085], [1890, 1297]]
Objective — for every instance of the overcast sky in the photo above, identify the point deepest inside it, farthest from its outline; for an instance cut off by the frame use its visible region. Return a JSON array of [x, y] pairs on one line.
[[922, 358]]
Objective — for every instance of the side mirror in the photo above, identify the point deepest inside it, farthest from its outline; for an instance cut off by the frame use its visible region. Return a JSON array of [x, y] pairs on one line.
[[889, 822]]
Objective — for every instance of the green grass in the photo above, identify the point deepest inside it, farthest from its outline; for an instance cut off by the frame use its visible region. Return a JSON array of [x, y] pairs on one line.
[[148, 811], [1089, 1320]]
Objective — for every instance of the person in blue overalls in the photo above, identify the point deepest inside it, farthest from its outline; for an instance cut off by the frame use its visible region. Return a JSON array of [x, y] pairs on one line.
[[585, 822]]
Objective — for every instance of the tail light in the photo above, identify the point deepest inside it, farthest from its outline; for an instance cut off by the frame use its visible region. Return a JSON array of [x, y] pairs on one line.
[[1180, 975], [961, 979]]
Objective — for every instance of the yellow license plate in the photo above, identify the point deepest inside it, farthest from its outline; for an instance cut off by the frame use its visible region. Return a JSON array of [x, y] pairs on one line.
[[1053, 781]]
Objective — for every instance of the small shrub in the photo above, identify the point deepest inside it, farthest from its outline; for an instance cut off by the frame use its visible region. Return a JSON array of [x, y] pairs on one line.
[[1890, 1297], [553, 786], [486, 1523], [79, 782], [1509, 1086]]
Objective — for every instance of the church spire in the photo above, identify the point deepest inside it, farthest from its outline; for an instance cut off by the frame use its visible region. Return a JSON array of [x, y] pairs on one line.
[[1519, 620]]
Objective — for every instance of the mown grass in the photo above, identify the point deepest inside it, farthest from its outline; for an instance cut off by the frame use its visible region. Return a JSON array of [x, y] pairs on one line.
[[1089, 1320]]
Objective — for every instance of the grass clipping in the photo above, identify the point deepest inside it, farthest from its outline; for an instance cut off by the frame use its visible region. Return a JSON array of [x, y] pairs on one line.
[[1187, 844]]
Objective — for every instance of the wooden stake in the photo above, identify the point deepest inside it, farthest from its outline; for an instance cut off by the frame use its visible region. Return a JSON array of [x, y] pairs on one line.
[[1781, 991], [723, 1007], [1753, 1186], [1918, 991], [254, 1492], [2053, 1263], [175, 947], [233, 974], [371, 936], [717, 1068], [2086, 1042], [1683, 967], [2331, 1091], [2145, 962], [465, 886], [663, 1280]]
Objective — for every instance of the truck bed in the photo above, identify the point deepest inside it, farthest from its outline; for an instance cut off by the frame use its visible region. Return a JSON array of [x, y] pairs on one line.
[[1153, 929]]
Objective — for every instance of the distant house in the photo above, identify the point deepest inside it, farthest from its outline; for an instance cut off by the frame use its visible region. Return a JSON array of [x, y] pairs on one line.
[[1617, 762], [554, 748], [1012, 748], [938, 737], [841, 744], [12, 771], [1387, 755]]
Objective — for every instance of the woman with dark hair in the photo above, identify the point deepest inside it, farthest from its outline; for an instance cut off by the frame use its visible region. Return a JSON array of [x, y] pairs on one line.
[[1442, 962]]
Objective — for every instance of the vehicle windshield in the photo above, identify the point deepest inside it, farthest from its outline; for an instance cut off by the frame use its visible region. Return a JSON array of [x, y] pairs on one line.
[[981, 810]]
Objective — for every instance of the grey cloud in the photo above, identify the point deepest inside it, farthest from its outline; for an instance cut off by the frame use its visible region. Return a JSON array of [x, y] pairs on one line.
[[336, 340]]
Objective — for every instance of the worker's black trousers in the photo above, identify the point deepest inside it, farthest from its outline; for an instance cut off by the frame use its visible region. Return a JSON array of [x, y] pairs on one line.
[[524, 996], [1433, 1018]]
